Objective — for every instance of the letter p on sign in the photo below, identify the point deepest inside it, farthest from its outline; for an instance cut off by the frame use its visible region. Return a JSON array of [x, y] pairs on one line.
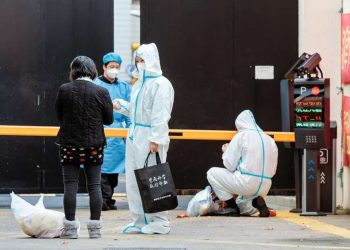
[[302, 90]]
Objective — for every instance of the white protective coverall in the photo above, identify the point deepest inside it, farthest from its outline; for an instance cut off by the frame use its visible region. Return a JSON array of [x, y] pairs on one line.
[[150, 106], [250, 162]]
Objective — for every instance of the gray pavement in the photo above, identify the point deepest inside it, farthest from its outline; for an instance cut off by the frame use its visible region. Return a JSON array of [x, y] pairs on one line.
[[54, 201], [286, 231]]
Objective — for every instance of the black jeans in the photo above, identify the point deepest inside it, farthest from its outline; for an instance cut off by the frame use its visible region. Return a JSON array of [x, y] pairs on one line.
[[108, 183], [93, 182]]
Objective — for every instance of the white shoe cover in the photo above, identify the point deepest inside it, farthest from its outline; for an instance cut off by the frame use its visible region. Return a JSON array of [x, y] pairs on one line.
[[131, 229], [155, 228]]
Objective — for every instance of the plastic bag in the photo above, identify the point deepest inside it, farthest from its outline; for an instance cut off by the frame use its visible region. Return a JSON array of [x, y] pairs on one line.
[[37, 221], [202, 203]]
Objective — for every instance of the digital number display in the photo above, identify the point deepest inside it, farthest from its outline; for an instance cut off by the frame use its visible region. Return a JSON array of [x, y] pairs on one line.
[[309, 107]]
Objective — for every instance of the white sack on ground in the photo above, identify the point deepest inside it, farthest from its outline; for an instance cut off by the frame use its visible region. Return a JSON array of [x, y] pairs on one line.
[[202, 203], [37, 221]]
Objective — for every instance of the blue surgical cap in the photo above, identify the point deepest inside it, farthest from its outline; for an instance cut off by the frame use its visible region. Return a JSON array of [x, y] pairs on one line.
[[112, 57]]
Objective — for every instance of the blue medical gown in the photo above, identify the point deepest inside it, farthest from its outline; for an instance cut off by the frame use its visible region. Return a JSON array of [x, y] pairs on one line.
[[114, 153]]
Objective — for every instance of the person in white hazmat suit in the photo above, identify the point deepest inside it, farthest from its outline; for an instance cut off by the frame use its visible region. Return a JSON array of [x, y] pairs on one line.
[[149, 109], [250, 161]]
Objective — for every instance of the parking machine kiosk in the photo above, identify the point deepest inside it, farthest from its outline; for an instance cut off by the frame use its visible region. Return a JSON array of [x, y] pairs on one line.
[[306, 103]]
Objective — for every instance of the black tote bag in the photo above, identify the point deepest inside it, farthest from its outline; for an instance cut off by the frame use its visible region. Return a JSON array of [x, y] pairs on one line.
[[156, 186]]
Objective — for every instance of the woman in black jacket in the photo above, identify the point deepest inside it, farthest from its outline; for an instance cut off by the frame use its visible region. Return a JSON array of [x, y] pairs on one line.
[[82, 108]]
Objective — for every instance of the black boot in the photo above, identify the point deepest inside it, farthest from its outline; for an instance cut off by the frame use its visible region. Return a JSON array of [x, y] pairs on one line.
[[111, 204], [107, 205], [260, 204], [231, 203]]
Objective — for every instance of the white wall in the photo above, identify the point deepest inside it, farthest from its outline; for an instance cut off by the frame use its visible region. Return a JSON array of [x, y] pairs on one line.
[[319, 31], [122, 33], [126, 32], [135, 24], [346, 9], [346, 6]]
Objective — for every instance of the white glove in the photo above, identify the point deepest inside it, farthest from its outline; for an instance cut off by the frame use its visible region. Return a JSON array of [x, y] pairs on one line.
[[116, 105], [224, 147]]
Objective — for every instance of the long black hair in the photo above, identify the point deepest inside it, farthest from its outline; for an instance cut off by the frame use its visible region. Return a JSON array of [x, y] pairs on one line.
[[82, 66]]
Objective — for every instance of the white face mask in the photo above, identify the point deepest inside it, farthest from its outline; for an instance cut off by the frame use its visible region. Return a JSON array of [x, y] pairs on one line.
[[112, 73], [141, 67]]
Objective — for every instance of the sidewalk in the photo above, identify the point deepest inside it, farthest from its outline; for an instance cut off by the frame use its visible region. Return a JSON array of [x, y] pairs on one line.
[[54, 201], [286, 231]]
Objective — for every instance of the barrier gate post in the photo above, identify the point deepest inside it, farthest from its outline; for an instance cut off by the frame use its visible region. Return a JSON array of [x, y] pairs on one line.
[[327, 179]]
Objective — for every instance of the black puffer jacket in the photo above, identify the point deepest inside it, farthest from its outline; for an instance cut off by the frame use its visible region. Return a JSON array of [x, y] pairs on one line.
[[82, 108]]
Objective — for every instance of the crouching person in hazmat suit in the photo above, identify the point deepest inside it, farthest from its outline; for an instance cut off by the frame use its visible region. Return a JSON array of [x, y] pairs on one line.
[[149, 109], [250, 161]]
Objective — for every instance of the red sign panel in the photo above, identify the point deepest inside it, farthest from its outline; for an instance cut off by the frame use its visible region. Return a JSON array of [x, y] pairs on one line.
[[345, 49], [346, 131]]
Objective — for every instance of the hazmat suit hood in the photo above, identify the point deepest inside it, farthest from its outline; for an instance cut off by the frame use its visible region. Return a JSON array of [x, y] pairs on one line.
[[149, 53], [246, 121]]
